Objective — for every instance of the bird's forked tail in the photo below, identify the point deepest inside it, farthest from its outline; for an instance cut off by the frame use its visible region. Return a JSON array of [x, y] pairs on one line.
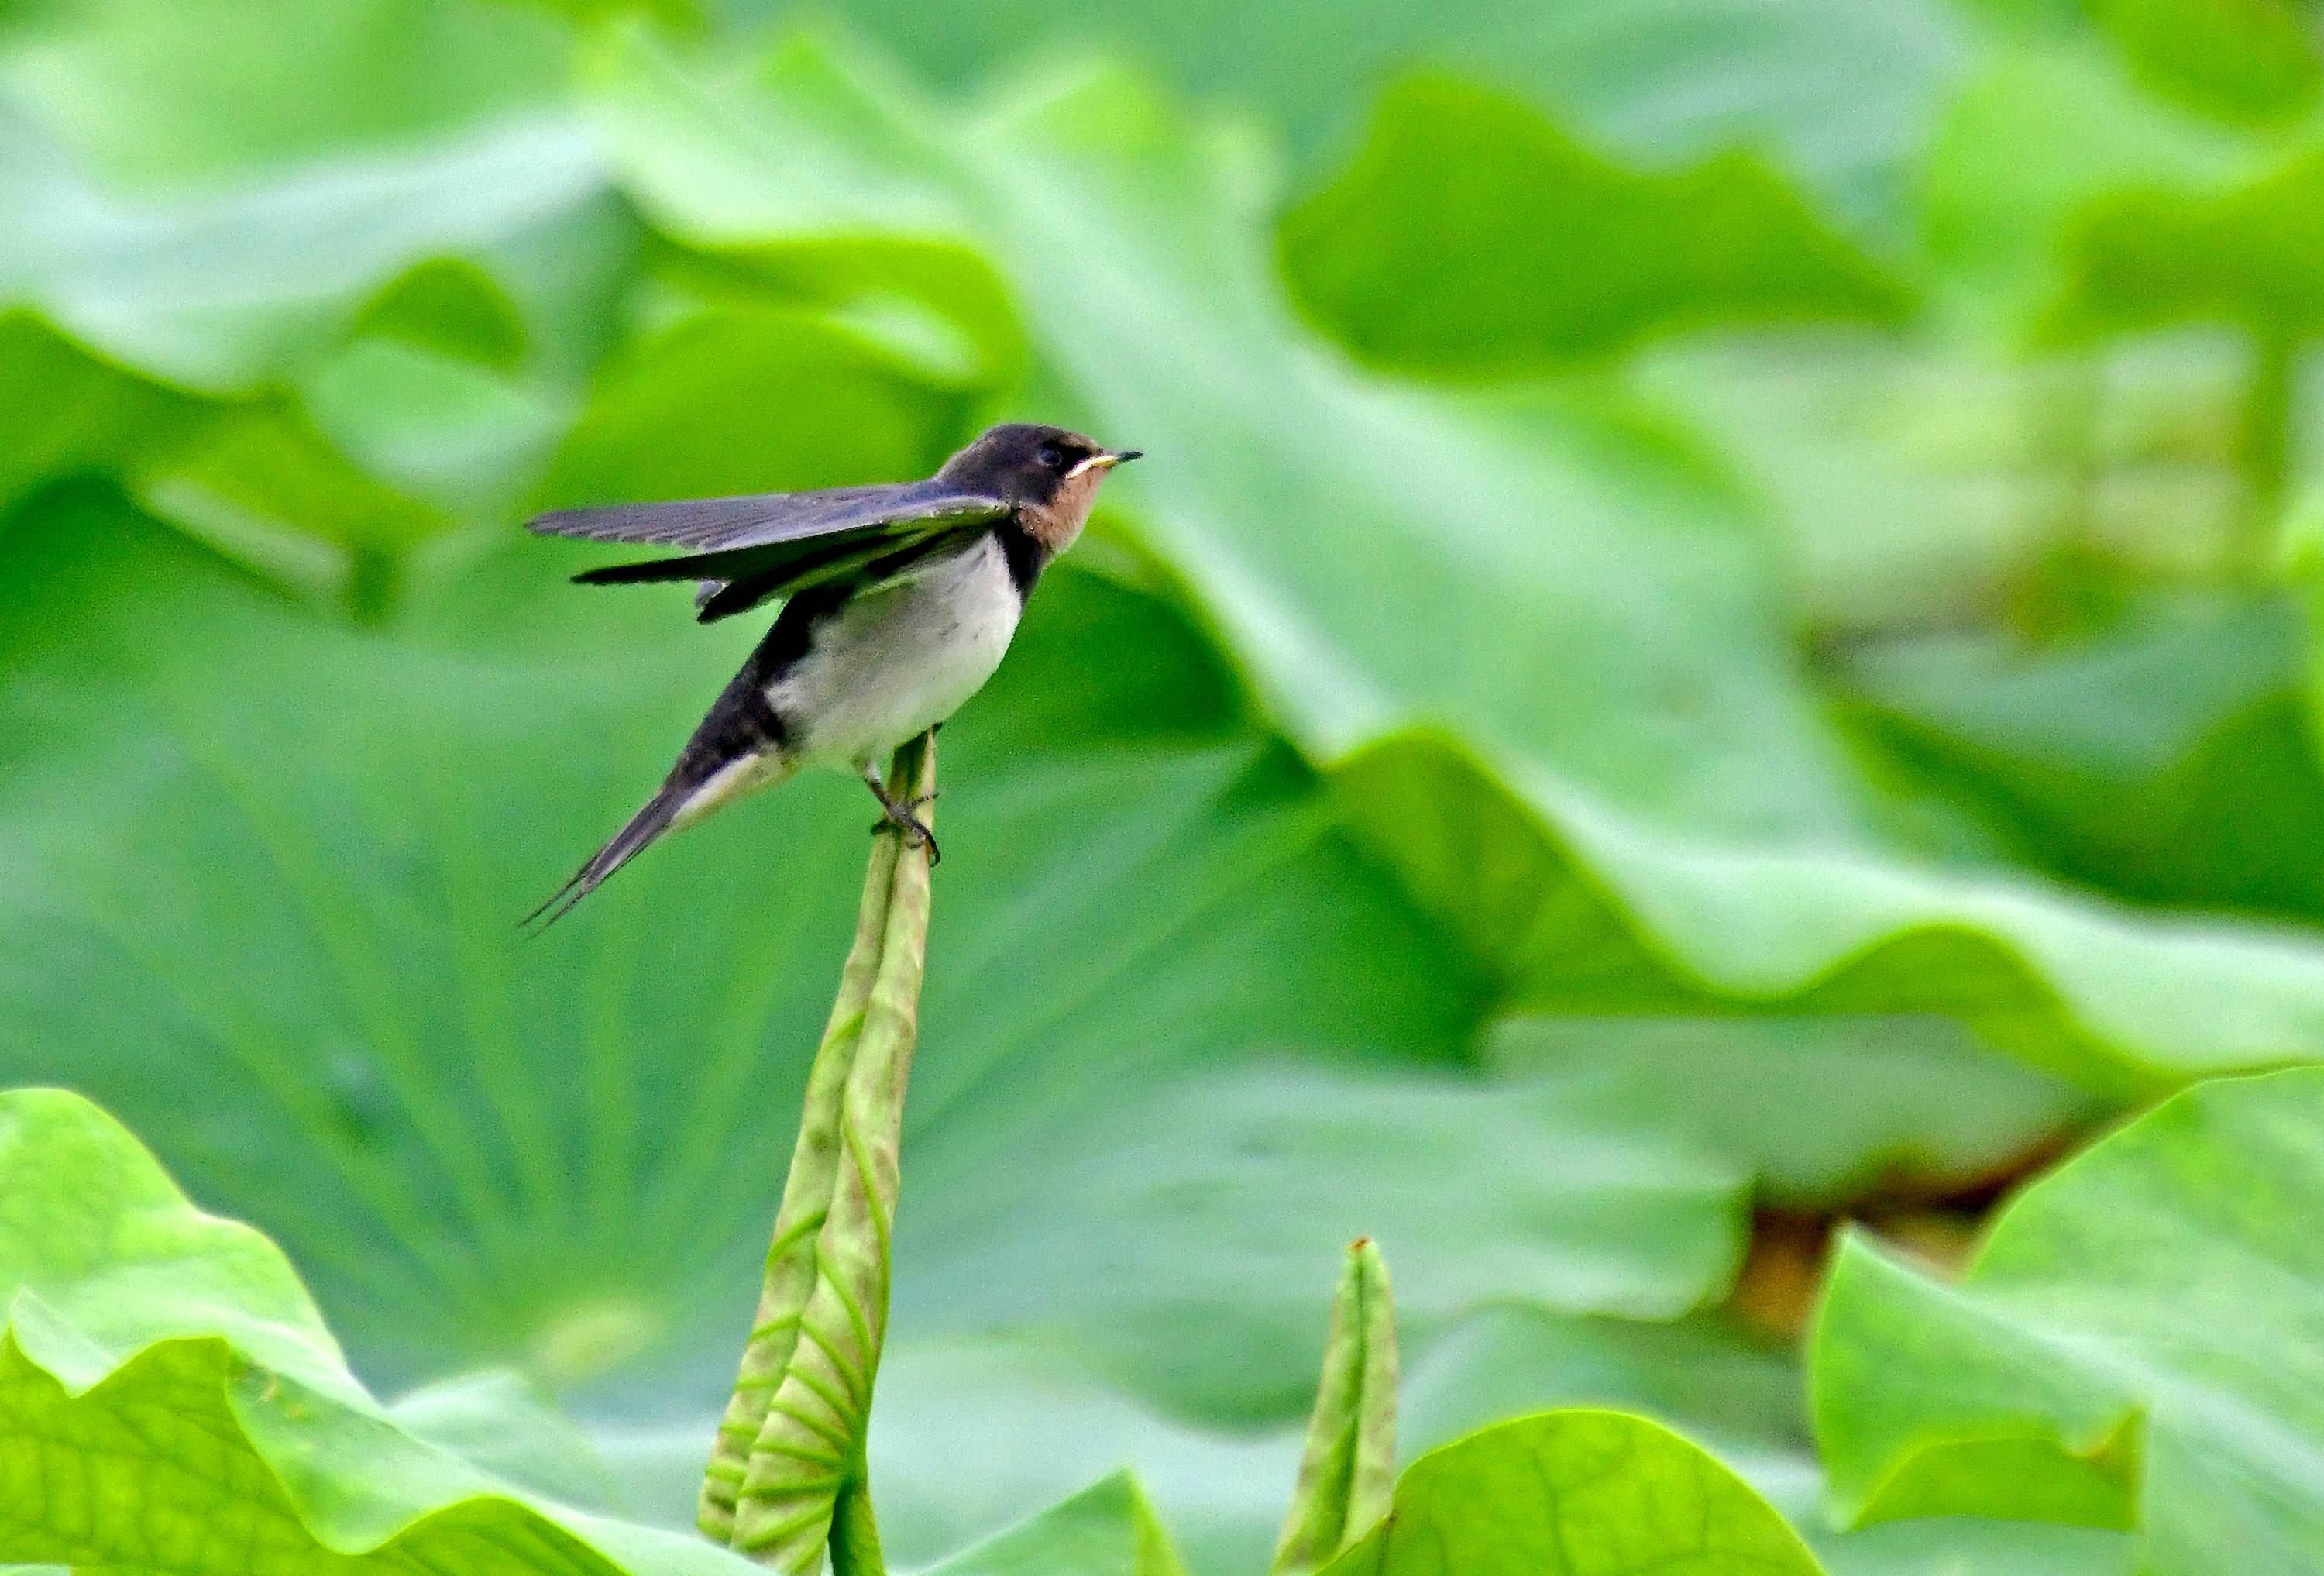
[[651, 822]]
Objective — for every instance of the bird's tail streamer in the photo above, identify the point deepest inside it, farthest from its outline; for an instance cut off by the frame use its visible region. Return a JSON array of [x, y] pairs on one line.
[[651, 822]]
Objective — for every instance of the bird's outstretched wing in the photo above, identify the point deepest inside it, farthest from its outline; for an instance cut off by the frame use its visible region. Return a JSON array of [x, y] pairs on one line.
[[763, 545]]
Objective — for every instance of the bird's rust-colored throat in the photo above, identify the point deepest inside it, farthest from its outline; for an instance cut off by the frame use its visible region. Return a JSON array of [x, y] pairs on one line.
[[1056, 523]]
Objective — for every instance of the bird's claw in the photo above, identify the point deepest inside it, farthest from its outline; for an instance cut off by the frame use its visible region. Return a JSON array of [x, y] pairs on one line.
[[914, 831]]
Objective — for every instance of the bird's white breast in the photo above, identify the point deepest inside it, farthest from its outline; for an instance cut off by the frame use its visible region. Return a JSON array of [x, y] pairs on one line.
[[892, 663]]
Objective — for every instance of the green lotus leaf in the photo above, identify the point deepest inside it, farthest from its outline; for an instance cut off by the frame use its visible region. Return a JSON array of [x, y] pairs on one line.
[[171, 1400], [479, 234], [265, 488], [262, 277], [1469, 237], [2167, 759], [2132, 1346], [494, 1420], [1106, 1530], [1732, 1390], [156, 92], [66, 411], [2044, 126], [1578, 1493], [1963, 1545], [2250, 256], [1839, 92], [1819, 1110], [2257, 63], [1924, 486], [453, 308], [642, 436]]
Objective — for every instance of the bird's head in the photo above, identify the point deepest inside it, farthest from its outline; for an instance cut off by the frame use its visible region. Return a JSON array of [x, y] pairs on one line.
[[1049, 474]]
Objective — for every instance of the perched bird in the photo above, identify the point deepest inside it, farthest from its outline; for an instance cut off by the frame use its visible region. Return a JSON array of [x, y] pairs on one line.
[[899, 601]]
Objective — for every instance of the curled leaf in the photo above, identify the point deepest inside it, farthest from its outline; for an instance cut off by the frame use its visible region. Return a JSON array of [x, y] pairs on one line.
[[806, 1206], [1347, 1474], [825, 1307]]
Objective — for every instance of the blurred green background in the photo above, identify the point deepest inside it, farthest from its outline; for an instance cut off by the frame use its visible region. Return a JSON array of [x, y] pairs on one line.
[[1712, 640]]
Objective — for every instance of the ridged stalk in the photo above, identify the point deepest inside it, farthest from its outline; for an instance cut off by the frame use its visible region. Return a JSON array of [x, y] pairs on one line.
[[1347, 1474], [786, 1480]]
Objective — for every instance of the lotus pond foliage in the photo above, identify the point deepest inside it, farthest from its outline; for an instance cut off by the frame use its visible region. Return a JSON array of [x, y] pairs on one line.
[[1698, 731]]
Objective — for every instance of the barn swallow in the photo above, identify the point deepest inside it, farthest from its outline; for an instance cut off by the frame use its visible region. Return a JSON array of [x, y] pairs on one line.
[[899, 602]]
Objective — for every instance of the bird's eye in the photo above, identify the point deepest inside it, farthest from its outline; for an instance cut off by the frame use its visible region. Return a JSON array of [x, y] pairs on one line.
[[1052, 456]]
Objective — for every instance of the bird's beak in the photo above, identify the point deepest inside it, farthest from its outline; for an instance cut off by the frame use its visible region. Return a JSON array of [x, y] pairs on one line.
[[1104, 462]]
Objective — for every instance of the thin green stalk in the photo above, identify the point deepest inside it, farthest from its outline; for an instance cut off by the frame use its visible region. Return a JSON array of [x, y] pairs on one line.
[[807, 1375], [855, 1534], [1347, 1474]]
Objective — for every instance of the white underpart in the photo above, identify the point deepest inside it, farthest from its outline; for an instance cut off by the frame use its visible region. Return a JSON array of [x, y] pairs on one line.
[[893, 663], [744, 775]]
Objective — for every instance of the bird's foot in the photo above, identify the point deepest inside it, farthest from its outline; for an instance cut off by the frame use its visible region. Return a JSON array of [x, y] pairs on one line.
[[900, 820]]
